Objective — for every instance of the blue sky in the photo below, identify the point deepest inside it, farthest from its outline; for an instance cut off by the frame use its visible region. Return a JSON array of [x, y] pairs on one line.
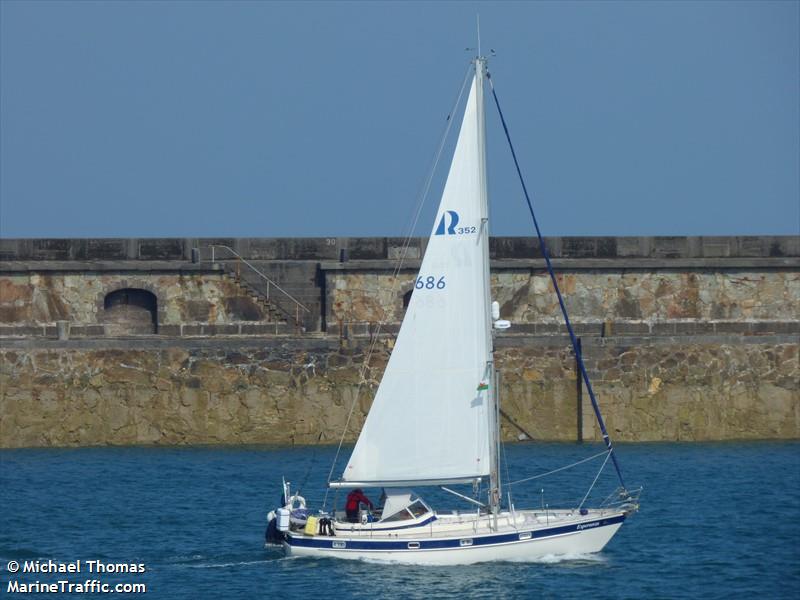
[[321, 119]]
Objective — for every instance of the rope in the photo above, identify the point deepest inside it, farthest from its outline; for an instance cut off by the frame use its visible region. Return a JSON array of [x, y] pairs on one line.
[[603, 466], [580, 462], [395, 273], [546, 255]]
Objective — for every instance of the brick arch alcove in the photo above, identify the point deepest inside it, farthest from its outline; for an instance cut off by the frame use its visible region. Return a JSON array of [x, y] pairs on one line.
[[407, 298], [130, 308], [404, 299]]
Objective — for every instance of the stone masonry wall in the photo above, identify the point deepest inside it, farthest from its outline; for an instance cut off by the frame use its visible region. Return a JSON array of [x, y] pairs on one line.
[[36, 298], [287, 390], [654, 281], [686, 338], [658, 389], [375, 248], [592, 296]]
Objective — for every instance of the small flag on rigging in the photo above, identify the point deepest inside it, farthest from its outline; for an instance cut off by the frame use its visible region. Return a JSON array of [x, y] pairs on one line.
[[483, 386]]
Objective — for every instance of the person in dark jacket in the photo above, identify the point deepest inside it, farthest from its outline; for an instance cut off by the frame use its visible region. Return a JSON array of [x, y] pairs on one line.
[[354, 500]]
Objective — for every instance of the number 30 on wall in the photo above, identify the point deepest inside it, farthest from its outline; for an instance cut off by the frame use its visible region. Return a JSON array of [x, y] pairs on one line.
[[430, 283]]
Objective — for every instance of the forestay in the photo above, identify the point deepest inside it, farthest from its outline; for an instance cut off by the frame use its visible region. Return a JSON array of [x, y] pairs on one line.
[[430, 420]]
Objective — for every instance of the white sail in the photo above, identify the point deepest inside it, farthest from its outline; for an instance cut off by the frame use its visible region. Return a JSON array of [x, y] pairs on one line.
[[432, 416]]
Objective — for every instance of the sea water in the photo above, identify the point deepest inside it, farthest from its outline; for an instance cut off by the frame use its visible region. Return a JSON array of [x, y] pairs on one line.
[[717, 520]]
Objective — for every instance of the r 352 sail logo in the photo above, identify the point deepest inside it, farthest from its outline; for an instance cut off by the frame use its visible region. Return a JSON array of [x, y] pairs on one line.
[[450, 226]]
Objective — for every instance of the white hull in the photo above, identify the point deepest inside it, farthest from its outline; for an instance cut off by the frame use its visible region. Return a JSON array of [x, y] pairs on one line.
[[577, 537]]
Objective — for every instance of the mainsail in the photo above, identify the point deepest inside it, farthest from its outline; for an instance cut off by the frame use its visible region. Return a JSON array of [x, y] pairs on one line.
[[432, 417]]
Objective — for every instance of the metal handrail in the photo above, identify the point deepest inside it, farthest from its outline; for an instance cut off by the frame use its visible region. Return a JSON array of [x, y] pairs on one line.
[[269, 281]]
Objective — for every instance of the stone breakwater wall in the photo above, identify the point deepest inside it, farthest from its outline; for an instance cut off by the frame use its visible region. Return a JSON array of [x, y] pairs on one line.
[[36, 298], [225, 341], [345, 286], [526, 296], [300, 390]]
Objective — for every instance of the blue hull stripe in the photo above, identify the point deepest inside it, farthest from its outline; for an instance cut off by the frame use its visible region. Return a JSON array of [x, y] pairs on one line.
[[428, 544]]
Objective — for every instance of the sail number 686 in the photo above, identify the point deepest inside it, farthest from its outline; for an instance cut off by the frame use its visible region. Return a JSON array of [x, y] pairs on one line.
[[430, 283]]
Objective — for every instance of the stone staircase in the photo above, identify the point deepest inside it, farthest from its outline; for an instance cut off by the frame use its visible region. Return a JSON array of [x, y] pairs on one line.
[[294, 301], [277, 312], [272, 313]]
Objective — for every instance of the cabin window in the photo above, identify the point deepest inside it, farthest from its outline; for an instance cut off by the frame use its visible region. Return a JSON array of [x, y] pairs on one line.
[[130, 311], [418, 509], [403, 515]]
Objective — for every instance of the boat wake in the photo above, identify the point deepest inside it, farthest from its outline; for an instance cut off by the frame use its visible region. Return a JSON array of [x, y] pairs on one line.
[[227, 565], [571, 559], [575, 559], [200, 561]]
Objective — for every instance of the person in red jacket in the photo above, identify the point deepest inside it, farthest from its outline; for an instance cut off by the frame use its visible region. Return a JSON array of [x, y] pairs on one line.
[[354, 500]]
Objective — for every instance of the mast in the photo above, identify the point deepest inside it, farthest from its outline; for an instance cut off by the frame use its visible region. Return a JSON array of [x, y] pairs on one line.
[[493, 396]]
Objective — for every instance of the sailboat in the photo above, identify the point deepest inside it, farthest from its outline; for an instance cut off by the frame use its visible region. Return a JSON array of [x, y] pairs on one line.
[[434, 420]]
